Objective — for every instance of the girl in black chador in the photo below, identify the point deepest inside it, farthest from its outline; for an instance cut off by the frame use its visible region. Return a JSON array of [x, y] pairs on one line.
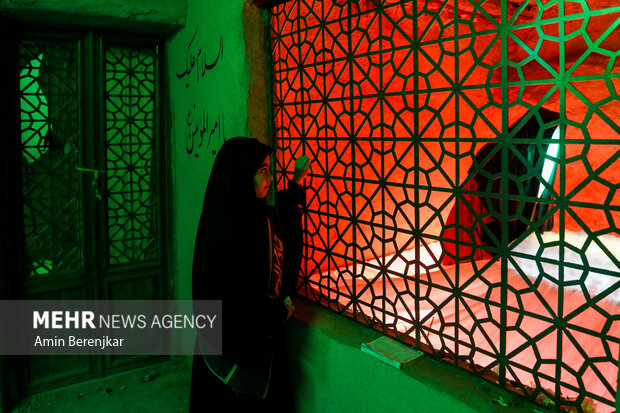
[[247, 254]]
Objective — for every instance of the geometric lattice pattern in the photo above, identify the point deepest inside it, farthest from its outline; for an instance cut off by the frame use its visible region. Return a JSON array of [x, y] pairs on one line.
[[131, 149], [51, 183], [430, 215]]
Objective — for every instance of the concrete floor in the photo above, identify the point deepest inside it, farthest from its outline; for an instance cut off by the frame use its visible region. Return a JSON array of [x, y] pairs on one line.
[[165, 388], [159, 388]]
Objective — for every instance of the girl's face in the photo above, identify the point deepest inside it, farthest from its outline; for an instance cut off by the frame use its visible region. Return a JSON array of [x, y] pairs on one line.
[[263, 178]]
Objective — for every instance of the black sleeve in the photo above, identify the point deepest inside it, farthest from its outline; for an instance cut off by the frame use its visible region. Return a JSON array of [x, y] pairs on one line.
[[290, 204]]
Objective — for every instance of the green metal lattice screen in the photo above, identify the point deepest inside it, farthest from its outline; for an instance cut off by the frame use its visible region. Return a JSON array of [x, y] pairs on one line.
[[130, 137], [464, 191], [50, 119], [55, 168]]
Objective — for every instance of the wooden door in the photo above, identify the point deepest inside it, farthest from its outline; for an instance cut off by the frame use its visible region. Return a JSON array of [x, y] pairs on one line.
[[86, 168]]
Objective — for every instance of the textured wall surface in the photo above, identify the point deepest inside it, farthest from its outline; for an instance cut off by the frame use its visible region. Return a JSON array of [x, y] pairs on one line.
[[258, 58], [160, 16], [209, 82], [329, 373]]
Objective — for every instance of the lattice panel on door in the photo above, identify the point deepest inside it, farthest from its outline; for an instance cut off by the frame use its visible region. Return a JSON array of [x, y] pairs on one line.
[[464, 191], [133, 206], [49, 133]]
